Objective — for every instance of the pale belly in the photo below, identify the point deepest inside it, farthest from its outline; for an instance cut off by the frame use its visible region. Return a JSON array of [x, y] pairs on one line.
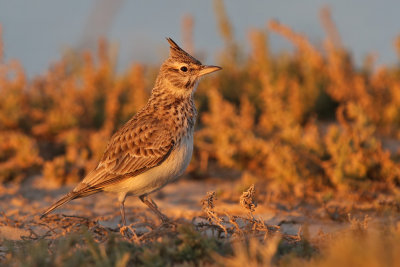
[[159, 176]]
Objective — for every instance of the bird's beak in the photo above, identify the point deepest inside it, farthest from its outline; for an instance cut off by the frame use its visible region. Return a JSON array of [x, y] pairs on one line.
[[208, 69]]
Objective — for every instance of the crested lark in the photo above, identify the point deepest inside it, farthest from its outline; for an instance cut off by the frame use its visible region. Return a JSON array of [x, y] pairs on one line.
[[155, 146]]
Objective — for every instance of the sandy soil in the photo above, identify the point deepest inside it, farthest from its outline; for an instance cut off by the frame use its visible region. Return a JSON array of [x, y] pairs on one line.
[[22, 204]]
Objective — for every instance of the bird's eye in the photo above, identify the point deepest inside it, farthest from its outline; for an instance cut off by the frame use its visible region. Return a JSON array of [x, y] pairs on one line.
[[184, 69]]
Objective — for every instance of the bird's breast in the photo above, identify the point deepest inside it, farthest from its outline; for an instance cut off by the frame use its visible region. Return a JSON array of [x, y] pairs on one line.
[[168, 171], [180, 156], [174, 165]]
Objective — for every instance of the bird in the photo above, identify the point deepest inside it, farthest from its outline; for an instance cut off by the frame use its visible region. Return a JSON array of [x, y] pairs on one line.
[[155, 146]]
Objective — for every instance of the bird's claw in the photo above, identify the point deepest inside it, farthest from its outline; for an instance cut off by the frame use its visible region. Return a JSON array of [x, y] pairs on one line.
[[166, 222]]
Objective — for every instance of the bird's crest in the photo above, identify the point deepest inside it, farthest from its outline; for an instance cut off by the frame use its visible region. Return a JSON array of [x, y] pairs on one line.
[[177, 53]]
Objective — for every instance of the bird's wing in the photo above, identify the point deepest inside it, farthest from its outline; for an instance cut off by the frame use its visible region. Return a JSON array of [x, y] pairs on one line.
[[138, 146]]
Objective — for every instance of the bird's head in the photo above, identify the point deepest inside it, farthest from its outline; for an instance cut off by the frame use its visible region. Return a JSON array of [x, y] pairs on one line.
[[181, 72]]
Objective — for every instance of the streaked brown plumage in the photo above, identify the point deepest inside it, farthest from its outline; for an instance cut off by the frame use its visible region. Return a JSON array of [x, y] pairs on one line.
[[155, 146]]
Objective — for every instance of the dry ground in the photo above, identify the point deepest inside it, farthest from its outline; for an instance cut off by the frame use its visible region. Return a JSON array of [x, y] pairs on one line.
[[82, 231], [22, 204]]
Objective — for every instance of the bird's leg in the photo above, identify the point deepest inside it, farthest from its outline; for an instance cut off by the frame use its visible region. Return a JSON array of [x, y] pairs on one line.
[[122, 208], [121, 199], [153, 206]]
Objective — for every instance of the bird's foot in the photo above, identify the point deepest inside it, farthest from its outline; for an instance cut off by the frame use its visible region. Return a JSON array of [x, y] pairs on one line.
[[166, 222], [123, 230], [129, 233]]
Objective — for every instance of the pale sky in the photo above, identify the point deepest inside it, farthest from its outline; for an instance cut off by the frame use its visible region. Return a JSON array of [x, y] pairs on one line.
[[37, 32]]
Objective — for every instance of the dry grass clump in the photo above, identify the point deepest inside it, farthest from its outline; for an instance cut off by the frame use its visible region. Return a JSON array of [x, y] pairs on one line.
[[229, 226], [356, 153], [247, 199], [252, 253], [19, 156], [374, 247]]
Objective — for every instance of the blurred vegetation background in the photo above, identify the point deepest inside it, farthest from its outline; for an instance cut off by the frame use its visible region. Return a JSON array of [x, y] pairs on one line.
[[296, 123]]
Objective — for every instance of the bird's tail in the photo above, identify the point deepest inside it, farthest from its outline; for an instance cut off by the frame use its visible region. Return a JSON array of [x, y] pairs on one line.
[[67, 198]]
